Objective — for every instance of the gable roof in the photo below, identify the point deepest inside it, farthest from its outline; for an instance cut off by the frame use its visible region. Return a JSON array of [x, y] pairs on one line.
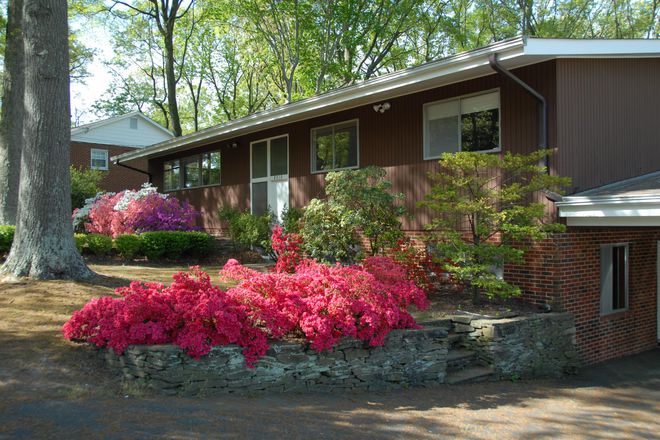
[[512, 53], [86, 128]]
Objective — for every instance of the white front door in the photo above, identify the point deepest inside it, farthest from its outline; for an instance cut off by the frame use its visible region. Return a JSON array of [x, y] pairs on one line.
[[269, 175]]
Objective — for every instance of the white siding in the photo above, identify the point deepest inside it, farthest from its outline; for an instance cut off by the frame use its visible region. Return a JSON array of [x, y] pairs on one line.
[[120, 133]]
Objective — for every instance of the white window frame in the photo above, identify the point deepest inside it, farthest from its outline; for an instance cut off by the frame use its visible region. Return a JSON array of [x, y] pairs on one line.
[[313, 147], [426, 147], [606, 268], [91, 159]]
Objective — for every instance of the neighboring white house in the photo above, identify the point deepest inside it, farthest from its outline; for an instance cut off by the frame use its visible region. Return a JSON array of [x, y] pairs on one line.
[[129, 130]]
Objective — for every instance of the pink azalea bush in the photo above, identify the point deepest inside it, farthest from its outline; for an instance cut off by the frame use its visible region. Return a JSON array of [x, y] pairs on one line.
[[131, 212], [322, 303], [287, 249], [191, 313]]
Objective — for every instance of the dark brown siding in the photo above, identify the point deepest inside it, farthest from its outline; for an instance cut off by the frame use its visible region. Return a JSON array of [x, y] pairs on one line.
[[609, 124], [117, 178], [392, 140]]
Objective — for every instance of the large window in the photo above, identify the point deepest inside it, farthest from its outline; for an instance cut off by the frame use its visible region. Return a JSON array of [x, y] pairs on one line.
[[99, 159], [613, 278], [335, 146], [469, 123], [193, 171]]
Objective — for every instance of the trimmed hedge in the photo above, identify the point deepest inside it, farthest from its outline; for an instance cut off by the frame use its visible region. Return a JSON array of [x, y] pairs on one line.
[[175, 244], [98, 244], [6, 237], [128, 246]]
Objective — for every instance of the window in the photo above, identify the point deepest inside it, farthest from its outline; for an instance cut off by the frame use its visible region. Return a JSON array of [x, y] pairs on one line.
[[335, 146], [192, 171], [99, 159], [171, 175], [613, 278], [133, 123], [464, 124]]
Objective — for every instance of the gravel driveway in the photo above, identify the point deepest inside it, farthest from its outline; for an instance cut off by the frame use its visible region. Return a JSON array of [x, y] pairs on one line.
[[617, 400]]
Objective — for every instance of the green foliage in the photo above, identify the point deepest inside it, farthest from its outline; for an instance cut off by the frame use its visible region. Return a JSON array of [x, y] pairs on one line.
[[248, 230], [6, 237], [98, 244], [81, 241], [358, 202], [291, 219], [175, 244], [84, 185], [487, 208], [128, 246]]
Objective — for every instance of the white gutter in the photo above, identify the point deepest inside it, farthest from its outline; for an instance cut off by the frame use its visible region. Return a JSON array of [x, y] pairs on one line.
[[611, 211], [346, 97]]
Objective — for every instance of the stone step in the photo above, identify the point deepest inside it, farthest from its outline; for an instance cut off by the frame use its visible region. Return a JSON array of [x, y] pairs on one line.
[[470, 375], [454, 340], [460, 359]]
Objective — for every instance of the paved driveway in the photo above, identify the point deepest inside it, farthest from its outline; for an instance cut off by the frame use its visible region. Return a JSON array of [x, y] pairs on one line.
[[618, 400]]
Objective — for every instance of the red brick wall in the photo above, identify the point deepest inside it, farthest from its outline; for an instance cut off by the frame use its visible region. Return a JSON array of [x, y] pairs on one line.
[[565, 271], [117, 178]]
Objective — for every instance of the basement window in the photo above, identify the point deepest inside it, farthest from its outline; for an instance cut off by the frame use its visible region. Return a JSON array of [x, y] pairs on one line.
[[613, 278], [468, 123]]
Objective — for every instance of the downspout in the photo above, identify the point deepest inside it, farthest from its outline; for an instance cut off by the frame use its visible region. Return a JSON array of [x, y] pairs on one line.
[[542, 105], [116, 162]]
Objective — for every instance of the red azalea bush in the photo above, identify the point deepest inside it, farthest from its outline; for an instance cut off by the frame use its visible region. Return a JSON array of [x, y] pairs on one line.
[[191, 313], [286, 248], [322, 303], [417, 263]]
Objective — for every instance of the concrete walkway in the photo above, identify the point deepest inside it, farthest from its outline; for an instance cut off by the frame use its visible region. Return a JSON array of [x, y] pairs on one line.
[[617, 400]]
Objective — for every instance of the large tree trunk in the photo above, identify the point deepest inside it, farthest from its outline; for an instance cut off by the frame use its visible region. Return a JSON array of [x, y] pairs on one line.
[[43, 245], [11, 127], [170, 77]]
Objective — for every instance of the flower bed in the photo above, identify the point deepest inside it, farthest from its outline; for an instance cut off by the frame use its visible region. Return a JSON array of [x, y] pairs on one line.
[[321, 303]]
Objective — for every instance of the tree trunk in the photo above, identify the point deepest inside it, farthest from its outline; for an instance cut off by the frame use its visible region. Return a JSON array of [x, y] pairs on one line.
[[43, 244], [11, 122], [170, 78]]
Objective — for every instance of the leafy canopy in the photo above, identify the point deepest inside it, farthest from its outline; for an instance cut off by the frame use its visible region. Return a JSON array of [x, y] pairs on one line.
[[486, 207]]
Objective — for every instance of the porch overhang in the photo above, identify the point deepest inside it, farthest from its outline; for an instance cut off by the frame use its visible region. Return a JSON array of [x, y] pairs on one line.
[[631, 202]]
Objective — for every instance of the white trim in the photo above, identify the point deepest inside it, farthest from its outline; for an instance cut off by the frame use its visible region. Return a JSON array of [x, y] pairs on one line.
[[459, 98], [91, 159], [614, 222], [512, 53], [311, 148]]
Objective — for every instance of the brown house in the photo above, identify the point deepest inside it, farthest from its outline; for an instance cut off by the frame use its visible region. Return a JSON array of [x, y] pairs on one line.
[[92, 146], [594, 101]]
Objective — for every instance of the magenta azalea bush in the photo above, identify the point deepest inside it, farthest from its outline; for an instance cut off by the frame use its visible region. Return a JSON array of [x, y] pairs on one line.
[[130, 212], [321, 303]]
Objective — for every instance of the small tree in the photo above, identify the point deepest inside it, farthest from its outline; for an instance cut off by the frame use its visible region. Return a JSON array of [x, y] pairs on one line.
[[487, 209], [84, 185]]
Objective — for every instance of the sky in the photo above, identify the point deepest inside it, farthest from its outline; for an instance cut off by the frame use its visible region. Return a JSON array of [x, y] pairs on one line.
[[84, 94]]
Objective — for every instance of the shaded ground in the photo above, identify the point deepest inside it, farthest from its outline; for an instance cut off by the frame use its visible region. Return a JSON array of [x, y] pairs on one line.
[[53, 389]]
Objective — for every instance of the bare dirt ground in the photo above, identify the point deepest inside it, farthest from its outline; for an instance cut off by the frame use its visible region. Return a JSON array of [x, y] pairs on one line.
[[50, 388]]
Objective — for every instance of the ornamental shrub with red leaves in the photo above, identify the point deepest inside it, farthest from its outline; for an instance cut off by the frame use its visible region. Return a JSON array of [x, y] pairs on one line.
[[287, 249], [322, 303], [191, 313]]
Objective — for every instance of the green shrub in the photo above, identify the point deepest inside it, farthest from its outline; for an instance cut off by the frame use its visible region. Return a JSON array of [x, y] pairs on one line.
[[175, 244], [6, 237], [81, 241], [291, 220], [84, 185], [128, 246], [98, 244], [248, 230], [359, 202]]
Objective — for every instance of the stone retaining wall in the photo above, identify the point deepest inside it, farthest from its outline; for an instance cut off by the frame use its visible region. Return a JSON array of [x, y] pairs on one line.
[[522, 347], [408, 358]]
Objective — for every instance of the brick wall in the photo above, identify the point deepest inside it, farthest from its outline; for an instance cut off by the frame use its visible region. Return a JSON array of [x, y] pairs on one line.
[[117, 178], [564, 271]]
